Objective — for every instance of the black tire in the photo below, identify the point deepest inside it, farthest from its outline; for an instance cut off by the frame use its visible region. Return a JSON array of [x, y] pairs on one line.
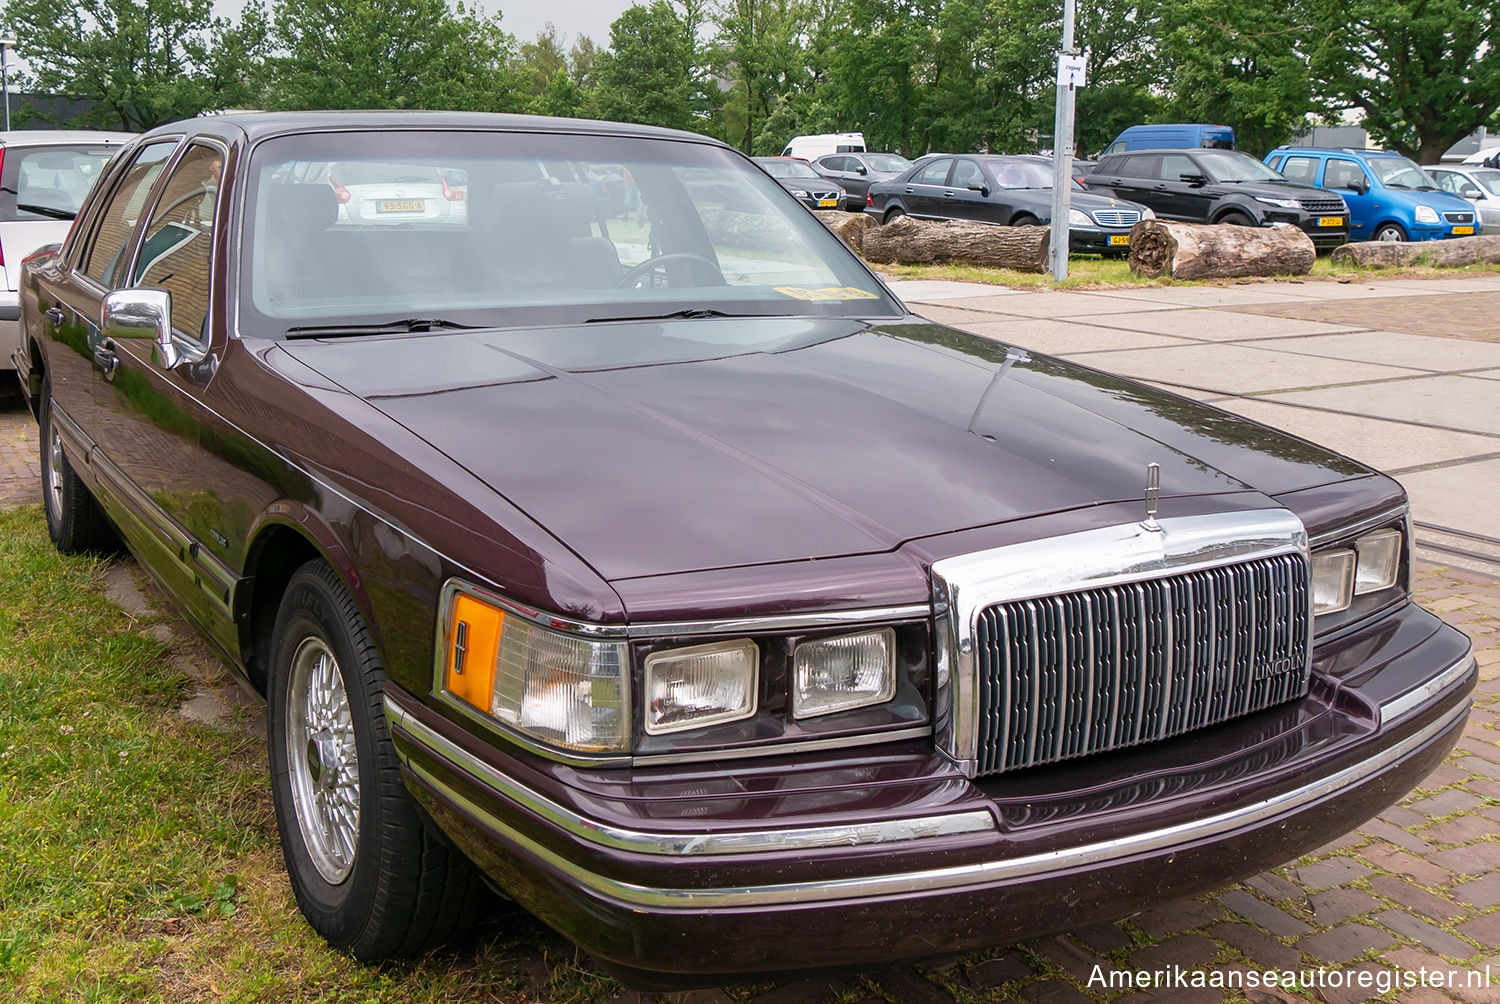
[[1024, 220], [1236, 219], [403, 888], [1390, 232], [75, 522], [892, 213]]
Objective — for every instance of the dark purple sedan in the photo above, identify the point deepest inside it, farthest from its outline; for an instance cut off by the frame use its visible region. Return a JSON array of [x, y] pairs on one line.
[[667, 575]]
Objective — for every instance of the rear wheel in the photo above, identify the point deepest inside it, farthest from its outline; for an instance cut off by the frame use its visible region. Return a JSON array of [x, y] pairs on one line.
[[368, 875], [1390, 233], [74, 520], [892, 213]]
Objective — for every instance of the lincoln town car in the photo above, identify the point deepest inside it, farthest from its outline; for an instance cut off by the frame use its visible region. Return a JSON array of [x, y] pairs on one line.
[[669, 577]]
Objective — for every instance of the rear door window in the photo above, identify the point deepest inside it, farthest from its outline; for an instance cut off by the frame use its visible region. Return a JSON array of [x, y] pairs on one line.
[[49, 182], [117, 221], [1303, 170], [935, 173], [1140, 166]]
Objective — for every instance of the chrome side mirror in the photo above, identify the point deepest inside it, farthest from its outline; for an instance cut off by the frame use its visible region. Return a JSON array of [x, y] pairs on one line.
[[142, 313]]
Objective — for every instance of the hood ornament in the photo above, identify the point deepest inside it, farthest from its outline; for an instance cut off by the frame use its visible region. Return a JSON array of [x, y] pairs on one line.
[[1153, 495]]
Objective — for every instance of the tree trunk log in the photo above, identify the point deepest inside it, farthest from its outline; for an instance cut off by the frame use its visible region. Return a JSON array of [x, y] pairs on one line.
[[850, 227], [1439, 254], [906, 241], [1218, 251]]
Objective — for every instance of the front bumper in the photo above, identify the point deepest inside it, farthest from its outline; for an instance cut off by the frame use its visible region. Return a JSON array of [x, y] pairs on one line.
[[1097, 240], [693, 876]]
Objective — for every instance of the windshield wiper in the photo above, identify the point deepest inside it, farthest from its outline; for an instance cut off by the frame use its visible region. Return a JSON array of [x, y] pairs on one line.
[[49, 211], [406, 325], [688, 312]]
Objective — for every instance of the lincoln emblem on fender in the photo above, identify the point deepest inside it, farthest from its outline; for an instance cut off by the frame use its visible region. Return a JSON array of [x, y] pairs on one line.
[[1153, 493]]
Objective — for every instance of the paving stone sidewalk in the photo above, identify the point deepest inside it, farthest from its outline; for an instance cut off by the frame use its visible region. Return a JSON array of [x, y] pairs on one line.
[[1417, 887]]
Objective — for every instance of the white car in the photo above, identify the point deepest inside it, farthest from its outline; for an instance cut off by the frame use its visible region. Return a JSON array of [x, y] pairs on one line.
[[44, 175], [371, 192], [1480, 185]]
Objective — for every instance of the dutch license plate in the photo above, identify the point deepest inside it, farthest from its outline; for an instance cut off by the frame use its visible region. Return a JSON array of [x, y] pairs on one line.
[[1463, 231], [402, 206], [1330, 221], [827, 202], [1116, 240]]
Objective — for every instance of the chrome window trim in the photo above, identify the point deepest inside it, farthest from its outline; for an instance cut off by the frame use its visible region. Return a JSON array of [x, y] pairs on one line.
[[677, 844], [910, 883], [966, 584], [1396, 707]]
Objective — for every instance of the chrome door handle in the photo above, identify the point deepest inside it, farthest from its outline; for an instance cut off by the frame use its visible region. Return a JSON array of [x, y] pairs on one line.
[[106, 359], [55, 315]]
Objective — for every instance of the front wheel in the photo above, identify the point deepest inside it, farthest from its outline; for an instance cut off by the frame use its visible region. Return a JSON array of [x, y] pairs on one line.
[[1390, 233], [1236, 220], [367, 874]]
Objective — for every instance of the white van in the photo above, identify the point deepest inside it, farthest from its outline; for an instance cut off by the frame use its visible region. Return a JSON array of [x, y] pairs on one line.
[[808, 147]]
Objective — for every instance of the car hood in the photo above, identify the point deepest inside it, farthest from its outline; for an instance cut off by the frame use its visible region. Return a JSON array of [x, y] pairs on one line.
[[1272, 190], [651, 448]]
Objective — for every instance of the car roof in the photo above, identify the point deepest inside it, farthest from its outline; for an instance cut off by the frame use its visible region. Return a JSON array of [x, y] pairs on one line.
[[47, 137], [260, 125], [1342, 151]]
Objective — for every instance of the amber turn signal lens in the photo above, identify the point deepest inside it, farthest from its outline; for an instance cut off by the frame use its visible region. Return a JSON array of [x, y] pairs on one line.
[[473, 644]]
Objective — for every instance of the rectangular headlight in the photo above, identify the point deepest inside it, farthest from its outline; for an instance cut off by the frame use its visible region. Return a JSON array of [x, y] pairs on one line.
[[839, 674], [1332, 581], [688, 688], [562, 689], [1379, 561]]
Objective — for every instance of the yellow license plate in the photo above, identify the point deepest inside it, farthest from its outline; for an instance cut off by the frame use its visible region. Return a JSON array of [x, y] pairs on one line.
[[402, 206], [1115, 240], [828, 202], [1463, 231], [1330, 221]]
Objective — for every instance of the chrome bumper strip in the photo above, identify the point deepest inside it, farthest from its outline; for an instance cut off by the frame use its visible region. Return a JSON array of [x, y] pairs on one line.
[[932, 879], [678, 844], [1398, 706]]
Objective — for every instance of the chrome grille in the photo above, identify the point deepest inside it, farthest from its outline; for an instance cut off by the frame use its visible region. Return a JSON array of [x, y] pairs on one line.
[[1081, 672], [825, 195], [1324, 205], [1459, 217], [1117, 217]]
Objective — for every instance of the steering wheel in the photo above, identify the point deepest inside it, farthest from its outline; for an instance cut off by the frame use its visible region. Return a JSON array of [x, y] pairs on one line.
[[650, 265]]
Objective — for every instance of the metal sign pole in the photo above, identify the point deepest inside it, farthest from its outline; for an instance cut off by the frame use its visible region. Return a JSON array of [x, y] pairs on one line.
[[1062, 148], [5, 44]]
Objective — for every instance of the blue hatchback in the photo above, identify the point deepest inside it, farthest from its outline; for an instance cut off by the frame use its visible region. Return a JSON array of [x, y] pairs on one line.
[[1390, 198]]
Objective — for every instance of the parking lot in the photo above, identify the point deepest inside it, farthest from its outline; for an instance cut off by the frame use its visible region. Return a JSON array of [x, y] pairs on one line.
[[1402, 374]]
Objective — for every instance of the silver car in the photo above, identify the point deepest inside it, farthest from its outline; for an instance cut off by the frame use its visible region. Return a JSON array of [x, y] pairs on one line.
[[44, 175], [1480, 185]]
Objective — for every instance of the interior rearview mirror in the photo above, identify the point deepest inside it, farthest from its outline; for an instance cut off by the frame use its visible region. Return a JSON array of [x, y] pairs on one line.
[[141, 313]]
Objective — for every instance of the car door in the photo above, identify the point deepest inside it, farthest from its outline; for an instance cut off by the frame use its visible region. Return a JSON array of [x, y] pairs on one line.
[[967, 194], [1348, 177], [923, 194], [1179, 199], [153, 461], [1137, 179]]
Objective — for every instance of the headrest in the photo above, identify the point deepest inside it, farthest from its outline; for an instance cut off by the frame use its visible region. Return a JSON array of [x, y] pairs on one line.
[[301, 205]]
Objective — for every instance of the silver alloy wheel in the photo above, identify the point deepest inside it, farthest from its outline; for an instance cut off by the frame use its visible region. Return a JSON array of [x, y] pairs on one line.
[[1388, 235], [55, 464], [322, 760]]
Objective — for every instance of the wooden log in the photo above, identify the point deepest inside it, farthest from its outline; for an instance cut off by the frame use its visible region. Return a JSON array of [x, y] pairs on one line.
[[905, 241], [1218, 251], [850, 227], [1455, 252]]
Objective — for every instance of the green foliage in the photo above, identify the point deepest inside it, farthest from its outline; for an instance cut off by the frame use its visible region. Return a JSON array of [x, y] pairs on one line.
[[647, 74], [390, 54], [140, 62], [1426, 73]]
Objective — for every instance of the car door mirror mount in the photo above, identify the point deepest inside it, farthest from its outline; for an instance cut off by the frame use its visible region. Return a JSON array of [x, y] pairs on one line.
[[980, 187], [142, 313], [1196, 180]]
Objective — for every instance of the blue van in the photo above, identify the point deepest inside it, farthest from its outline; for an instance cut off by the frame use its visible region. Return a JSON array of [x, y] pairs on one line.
[[1174, 136], [1390, 198]]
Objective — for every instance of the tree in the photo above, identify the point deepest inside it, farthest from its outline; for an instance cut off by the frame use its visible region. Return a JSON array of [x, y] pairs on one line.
[[140, 63], [390, 54], [647, 74], [1426, 73]]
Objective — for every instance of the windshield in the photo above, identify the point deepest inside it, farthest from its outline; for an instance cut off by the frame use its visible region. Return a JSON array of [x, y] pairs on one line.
[[1488, 180], [1014, 173], [533, 234], [887, 163], [779, 168], [1226, 165], [1398, 172]]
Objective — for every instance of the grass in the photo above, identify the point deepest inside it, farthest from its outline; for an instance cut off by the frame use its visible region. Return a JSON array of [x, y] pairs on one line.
[[140, 855], [1092, 272]]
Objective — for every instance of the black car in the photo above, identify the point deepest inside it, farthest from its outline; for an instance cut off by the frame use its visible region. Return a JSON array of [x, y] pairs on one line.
[[1010, 191], [1220, 186], [796, 176], [856, 172]]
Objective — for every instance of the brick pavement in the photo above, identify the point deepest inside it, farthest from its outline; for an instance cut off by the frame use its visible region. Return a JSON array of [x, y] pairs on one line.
[[1417, 886]]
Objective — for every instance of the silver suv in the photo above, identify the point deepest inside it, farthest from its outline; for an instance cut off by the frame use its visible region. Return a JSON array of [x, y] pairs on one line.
[[44, 175]]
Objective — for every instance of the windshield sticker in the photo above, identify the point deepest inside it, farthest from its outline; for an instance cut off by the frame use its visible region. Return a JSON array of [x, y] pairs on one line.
[[827, 293]]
